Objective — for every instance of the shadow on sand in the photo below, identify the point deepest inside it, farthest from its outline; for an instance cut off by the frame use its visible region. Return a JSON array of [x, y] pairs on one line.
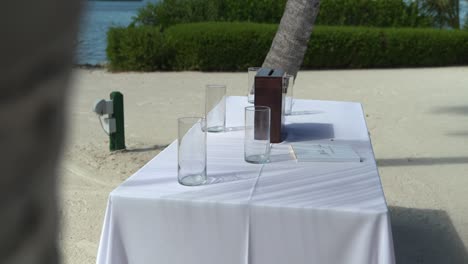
[[457, 134], [435, 161], [454, 110], [426, 237]]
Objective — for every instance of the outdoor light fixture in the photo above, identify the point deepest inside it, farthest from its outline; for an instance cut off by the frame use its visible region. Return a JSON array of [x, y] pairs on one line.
[[101, 108], [113, 123]]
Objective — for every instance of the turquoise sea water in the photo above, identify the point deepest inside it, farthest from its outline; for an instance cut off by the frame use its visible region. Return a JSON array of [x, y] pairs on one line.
[[97, 19], [99, 16]]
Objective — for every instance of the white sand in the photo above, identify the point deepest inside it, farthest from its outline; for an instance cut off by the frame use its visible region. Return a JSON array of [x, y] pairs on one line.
[[418, 121]]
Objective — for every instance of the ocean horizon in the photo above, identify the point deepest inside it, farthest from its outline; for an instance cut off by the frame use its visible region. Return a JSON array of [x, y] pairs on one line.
[[100, 15]]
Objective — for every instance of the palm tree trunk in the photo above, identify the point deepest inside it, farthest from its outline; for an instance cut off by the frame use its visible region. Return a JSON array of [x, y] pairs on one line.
[[290, 43]]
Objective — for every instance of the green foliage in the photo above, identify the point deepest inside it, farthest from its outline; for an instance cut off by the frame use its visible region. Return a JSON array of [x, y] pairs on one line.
[[376, 13], [445, 13], [146, 16], [346, 47], [170, 12], [261, 11], [426, 47], [343, 47], [136, 49], [373, 13], [236, 46], [219, 46]]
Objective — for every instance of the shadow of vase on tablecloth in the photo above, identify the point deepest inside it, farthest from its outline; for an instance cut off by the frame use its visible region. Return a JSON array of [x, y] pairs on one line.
[[309, 131]]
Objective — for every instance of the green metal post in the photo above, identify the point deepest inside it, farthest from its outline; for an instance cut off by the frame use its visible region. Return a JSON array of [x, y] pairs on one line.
[[117, 139]]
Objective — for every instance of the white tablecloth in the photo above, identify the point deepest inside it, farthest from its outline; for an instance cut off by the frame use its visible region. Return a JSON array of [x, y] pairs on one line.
[[283, 212]]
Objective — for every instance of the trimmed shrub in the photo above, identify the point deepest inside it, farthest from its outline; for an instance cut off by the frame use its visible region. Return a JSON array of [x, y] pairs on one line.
[[236, 46], [425, 47], [375, 13], [219, 46], [136, 48], [348, 47], [343, 47]]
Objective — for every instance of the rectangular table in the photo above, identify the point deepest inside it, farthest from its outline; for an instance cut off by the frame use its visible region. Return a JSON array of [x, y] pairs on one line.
[[283, 212]]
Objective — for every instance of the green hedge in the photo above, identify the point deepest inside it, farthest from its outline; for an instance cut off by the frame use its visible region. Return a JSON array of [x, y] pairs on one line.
[[235, 46], [219, 47], [349, 47], [376, 13], [139, 48]]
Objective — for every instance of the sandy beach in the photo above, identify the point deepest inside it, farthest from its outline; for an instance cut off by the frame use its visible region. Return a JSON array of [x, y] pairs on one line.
[[417, 120]]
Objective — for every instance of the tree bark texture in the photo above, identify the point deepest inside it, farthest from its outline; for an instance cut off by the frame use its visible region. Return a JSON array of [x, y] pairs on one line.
[[290, 43], [36, 48]]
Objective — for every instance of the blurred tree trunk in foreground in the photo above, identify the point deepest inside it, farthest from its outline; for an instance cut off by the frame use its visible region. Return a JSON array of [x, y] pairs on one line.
[[290, 43], [38, 40]]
